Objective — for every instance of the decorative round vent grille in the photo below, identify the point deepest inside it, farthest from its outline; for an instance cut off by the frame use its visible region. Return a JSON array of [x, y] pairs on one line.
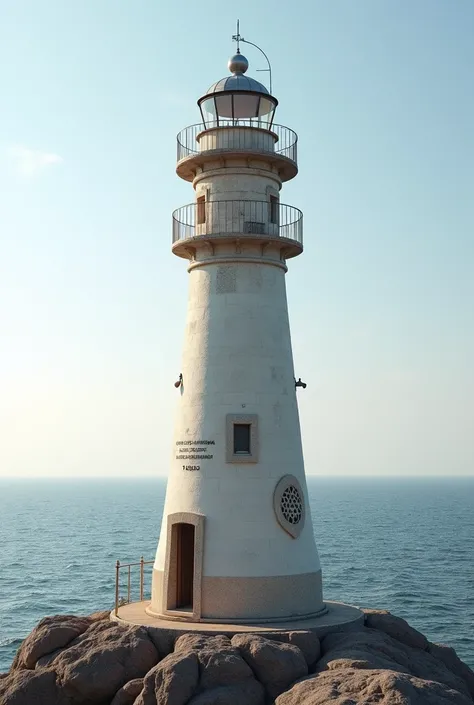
[[292, 505], [289, 505]]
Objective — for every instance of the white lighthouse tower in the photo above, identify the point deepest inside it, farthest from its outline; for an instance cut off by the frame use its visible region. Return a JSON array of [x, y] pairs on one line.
[[237, 543]]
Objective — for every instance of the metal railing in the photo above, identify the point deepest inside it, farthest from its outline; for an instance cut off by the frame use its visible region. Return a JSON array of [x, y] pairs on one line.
[[213, 218], [128, 566], [283, 141]]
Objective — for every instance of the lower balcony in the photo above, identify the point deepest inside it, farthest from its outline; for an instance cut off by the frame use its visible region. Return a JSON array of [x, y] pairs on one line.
[[259, 220]]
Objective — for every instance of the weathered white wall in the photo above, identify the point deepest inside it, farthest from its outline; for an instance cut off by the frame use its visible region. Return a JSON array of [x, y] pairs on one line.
[[237, 137], [237, 183], [237, 359]]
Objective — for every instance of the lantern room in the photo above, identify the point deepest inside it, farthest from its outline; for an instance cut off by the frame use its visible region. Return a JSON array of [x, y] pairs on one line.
[[237, 99]]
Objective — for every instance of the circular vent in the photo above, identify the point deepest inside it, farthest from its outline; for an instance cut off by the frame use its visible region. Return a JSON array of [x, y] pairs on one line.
[[292, 505], [289, 505]]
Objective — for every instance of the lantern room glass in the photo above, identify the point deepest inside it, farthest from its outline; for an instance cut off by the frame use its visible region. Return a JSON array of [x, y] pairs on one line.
[[237, 108]]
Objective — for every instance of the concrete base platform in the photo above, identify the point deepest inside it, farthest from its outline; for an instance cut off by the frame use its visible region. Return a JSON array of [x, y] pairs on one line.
[[338, 618]]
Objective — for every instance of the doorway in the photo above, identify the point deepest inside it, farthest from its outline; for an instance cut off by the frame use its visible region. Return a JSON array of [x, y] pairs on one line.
[[184, 546], [182, 579]]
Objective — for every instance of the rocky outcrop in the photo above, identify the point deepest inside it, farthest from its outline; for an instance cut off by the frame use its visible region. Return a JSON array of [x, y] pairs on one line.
[[307, 642], [102, 660], [275, 665], [24, 687], [129, 692], [371, 649], [453, 663], [250, 692], [396, 627], [92, 661], [224, 676], [173, 681], [348, 686], [51, 634]]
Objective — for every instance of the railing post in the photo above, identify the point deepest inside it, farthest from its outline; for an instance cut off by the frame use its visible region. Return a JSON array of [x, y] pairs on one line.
[[141, 578], [117, 570], [129, 584]]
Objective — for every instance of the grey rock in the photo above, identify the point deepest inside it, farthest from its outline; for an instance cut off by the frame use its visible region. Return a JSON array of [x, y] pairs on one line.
[[193, 641], [100, 616], [172, 682], [220, 664], [50, 634], [371, 649], [308, 643], [127, 694], [163, 640], [395, 627], [100, 661], [275, 665], [69, 660], [250, 692], [347, 686], [25, 687], [47, 659], [452, 661]]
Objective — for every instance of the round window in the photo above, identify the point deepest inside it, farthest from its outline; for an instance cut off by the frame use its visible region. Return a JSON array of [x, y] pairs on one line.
[[288, 503]]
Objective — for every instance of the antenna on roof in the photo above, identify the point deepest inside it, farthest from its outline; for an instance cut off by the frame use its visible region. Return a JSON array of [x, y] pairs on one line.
[[238, 38]]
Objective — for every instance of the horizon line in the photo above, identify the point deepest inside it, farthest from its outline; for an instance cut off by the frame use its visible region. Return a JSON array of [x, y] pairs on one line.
[[308, 475]]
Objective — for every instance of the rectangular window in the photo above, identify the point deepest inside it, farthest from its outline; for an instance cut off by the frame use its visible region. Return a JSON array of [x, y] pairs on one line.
[[241, 438], [274, 214], [201, 210], [242, 444]]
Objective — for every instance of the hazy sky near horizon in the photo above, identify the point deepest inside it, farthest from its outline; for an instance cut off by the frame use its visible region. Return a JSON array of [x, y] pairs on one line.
[[92, 301]]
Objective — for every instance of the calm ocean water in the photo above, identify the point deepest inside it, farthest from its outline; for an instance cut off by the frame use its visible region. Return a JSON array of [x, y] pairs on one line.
[[403, 545]]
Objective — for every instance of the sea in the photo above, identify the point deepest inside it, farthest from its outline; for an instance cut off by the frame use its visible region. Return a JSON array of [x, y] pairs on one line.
[[406, 545]]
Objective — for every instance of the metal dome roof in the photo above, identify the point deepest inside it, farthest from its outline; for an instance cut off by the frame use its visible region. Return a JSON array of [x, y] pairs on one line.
[[238, 64], [237, 82]]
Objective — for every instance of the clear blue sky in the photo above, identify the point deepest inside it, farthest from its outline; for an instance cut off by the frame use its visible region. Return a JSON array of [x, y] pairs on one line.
[[92, 301]]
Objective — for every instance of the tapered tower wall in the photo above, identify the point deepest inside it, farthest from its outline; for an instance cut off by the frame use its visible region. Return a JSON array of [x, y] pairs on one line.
[[237, 360]]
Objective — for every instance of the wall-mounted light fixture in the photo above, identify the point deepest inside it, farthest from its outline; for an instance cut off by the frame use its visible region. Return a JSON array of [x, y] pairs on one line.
[[299, 383], [179, 382]]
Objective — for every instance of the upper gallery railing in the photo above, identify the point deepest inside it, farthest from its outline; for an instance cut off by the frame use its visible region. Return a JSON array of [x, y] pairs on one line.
[[236, 135], [214, 218]]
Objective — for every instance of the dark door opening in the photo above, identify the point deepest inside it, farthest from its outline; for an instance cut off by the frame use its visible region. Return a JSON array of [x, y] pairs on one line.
[[184, 565]]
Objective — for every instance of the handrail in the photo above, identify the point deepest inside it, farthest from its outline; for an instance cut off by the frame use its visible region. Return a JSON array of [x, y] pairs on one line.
[[283, 143], [268, 219], [118, 567]]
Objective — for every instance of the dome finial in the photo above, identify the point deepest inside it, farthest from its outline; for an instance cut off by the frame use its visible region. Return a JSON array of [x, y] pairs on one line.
[[238, 64]]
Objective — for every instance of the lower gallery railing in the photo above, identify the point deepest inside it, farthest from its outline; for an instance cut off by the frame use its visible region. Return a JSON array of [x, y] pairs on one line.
[[247, 217], [128, 568]]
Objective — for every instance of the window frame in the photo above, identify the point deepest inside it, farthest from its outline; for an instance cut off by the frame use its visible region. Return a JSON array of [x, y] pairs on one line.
[[201, 210], [274, 210], [240, 420]]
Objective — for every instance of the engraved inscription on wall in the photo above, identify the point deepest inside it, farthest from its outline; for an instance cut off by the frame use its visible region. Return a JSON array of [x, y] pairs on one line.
[[194, 450]]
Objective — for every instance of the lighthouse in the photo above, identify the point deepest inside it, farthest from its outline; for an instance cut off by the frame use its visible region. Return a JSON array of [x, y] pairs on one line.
[[236, 542]]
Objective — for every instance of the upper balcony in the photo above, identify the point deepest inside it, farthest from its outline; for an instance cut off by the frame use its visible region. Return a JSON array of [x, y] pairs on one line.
[[259, 221], [203, 143]]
